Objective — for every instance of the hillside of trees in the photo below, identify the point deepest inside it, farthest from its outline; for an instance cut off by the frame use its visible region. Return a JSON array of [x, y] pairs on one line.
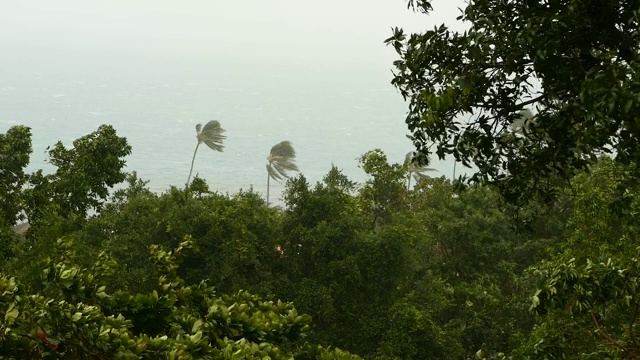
[[440, 270], [535, 256]]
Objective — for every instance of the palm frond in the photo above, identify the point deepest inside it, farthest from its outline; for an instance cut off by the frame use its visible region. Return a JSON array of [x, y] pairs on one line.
[[212, 135], [408, 159], [273, 173], [281, 160], [283, 150], [213, 125], [213, 145], [420, 176], [418, 171], [287, 165], [280, 168], [520, 124]]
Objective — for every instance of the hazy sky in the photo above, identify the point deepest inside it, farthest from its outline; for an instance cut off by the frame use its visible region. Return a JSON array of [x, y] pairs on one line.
[[301, 33]]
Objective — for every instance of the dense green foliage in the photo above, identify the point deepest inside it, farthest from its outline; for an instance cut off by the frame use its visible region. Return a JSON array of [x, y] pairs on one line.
[[385, 272], [533, 93], [382, 269], [573, 62], [15, 149], [76, 318], [59, 304]]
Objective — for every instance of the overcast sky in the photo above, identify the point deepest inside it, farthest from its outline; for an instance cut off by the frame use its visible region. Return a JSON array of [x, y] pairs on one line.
[[322, 33]]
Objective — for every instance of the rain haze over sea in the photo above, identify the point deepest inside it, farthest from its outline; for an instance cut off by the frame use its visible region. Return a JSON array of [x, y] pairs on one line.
[[317, 75]]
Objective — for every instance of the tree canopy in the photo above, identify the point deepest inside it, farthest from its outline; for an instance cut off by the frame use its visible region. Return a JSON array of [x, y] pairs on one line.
[[534, 94], [572, 63], [376, 269]]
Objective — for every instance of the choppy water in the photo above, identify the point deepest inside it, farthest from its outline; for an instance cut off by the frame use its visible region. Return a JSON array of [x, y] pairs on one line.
[[331, 116]]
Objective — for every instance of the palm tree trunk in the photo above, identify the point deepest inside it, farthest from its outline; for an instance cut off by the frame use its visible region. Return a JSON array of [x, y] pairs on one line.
[[268, 179], [192, 161], [454, 169]]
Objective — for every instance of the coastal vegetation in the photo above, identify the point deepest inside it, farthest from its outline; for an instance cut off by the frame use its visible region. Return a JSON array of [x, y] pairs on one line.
[[535, 256]]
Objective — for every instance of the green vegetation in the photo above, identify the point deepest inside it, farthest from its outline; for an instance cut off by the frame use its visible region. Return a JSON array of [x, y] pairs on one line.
[[438, 271], [536, 258], [572, 63]]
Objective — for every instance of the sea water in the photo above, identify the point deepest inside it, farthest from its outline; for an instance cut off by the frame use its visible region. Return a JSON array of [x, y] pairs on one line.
[[331, 115]]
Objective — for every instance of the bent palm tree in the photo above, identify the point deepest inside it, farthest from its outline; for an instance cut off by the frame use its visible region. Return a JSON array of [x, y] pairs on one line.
[[522, 123], [280, 161], [211, 135], [418, 171]]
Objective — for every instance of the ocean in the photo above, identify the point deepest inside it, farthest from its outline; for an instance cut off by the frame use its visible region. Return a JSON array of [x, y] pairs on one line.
[[331, 115]]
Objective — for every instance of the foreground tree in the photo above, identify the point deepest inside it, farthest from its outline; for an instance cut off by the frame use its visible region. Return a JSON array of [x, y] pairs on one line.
[[75, 317], [211, 135], [15, 150], [574, 62], [84, 175], [279, 162], [384, 192], [588, 300]]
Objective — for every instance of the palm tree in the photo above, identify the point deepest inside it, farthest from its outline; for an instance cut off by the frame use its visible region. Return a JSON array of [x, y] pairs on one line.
[[414, 169], [211, 135], [280, 161], [521, 124]]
